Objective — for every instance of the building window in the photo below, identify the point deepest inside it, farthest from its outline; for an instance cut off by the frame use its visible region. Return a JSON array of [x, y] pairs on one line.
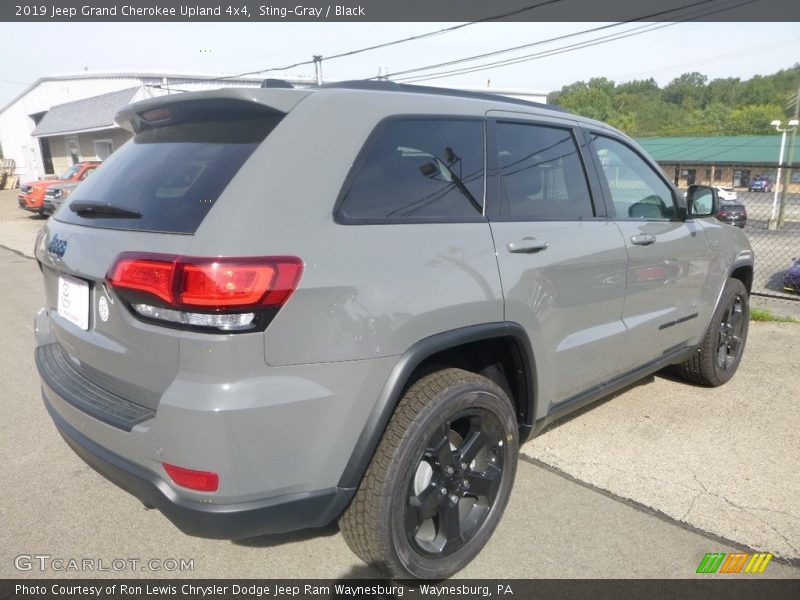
[[103, 149], [708, 174], [73, 149], [741, 177]]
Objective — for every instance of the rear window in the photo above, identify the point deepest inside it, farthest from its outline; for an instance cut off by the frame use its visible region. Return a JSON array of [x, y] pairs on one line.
[[167, 178]]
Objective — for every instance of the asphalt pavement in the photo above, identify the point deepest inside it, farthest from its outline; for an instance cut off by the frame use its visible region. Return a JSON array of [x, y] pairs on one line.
[[642, 485]]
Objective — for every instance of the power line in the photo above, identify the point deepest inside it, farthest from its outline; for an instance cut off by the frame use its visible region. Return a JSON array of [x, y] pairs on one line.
[[12, 81], [568, 48], [547, 41], [394, 42]]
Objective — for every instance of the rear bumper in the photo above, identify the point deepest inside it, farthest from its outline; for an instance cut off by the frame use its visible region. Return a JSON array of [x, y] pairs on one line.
[[279, 438], [218, 521]]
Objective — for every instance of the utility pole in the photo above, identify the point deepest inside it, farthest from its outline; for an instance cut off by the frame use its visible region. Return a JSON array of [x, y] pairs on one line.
[[318, 68], [788, 178]]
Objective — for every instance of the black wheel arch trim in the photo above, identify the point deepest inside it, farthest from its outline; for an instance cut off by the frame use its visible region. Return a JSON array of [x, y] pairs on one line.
[[737, 264], [395, 385]]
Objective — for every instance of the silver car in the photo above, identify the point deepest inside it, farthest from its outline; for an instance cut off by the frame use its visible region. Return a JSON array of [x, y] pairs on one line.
[[55, 195], [275, 308]]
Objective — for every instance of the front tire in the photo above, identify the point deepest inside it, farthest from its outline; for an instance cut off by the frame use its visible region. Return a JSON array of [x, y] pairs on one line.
[[722, 347], [439, 480]]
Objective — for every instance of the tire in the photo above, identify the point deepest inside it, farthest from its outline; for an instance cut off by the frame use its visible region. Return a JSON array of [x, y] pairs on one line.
[[440, 478], [722, 347]]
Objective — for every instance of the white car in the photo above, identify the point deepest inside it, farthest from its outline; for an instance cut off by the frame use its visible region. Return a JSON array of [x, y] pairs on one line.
[[726, 193]]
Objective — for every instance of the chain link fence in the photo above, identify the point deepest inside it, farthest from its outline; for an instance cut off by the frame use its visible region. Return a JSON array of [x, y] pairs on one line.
[[775, 237]]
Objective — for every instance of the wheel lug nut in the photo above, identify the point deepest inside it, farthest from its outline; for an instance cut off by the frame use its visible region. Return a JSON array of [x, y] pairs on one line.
[[443, 490], [465, 484], [453, 498], [448, 470], [463, 466]]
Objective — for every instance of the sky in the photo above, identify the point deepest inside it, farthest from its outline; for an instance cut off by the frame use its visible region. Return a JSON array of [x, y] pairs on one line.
[[32, 50]]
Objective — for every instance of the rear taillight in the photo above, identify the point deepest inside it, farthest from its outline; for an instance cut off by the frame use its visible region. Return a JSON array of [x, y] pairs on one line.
[[222, 293], [203, 481]]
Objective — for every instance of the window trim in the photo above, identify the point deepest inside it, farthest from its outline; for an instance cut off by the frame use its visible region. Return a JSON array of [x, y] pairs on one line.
[[341, 219], [494, 177], [108, 141], [679, 207]]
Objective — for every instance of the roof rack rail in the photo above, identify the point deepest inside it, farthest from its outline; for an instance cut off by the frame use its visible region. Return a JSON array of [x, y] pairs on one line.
[[391, 86], [276, 83]]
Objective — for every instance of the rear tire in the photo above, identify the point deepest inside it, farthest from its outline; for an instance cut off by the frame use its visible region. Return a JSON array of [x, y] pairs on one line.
[[722, 347], [440, 478]]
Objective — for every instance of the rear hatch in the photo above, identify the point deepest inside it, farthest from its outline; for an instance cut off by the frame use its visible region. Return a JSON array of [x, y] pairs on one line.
[[147, 200]]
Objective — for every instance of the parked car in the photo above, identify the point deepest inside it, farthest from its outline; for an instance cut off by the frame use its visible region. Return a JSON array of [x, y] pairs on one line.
[[31, 194], [733, 213], [726, 193], [791, 279], [56, 194], [253, 343], [760, 184]]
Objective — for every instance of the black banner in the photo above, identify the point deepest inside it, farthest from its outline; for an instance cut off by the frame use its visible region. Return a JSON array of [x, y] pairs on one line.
[[399, 10], [318, 589]]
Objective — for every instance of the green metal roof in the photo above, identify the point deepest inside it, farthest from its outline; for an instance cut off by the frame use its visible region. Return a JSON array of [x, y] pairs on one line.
[[729, 149]]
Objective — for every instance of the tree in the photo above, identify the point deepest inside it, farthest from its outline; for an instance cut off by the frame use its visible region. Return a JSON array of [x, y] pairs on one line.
[[754, 120], [724, 91], [759, 90], [688, 90], [688, 105], [639, 87], [591, 102]]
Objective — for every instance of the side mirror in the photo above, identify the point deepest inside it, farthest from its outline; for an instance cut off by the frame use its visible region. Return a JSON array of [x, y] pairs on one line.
[[702, 201]]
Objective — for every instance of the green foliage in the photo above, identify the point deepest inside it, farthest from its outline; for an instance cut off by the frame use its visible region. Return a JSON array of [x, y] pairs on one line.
[[762, 314], [754, 119], [687, 105]]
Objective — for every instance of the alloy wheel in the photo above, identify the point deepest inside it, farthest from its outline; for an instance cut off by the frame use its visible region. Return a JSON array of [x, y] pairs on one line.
[[455, 483]]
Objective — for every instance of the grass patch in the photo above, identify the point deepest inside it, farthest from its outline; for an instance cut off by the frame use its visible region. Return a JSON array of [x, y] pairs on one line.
[[762, 314]]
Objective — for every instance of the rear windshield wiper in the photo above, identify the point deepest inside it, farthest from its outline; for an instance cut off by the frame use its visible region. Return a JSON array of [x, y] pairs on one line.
[[102, 209]]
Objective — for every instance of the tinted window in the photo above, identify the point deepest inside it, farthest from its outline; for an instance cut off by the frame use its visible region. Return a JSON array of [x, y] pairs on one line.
[[170, 175], [636, 190], [417, 170], [542, 176]]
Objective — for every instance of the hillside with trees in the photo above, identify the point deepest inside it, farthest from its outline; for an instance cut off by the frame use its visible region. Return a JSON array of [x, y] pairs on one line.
[[687, 105]]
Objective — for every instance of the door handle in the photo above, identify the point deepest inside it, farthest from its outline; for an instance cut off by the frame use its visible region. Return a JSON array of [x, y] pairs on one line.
[[643, 239], [527, 245]]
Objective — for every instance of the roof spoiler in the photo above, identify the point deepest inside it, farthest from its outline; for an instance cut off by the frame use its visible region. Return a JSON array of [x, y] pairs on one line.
[[173, 108]]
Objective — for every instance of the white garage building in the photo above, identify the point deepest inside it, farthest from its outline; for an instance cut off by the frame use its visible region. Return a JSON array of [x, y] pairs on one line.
[[60, 120]]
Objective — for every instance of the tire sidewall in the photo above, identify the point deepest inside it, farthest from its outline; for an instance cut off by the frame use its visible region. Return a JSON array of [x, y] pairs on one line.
[[733, 288]]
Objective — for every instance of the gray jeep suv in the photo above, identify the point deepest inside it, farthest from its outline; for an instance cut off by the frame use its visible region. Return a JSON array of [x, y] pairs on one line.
[[275, 308]]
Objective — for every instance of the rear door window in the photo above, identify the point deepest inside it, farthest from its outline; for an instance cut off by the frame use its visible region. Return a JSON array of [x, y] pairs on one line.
[[541, 172], [168, 178], [418, 170]]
